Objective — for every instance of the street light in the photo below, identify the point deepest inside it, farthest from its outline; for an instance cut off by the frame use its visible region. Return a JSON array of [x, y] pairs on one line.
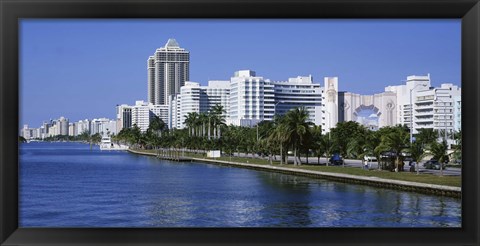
[[411, 112], [281, 145], [445, 136]]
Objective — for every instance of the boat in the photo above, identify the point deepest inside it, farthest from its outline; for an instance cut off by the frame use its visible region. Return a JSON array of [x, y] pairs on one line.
[[106, 144]]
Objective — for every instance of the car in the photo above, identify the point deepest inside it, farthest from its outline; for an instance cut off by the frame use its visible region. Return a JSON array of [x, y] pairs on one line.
[[369, 158], [336, 159], [433, 164]]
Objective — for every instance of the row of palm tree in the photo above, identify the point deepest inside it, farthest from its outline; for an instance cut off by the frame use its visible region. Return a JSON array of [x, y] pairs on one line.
[[202, 124], [290, 132]]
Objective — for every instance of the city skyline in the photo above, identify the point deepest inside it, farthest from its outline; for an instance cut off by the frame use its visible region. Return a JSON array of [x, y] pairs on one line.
[[87, 86]]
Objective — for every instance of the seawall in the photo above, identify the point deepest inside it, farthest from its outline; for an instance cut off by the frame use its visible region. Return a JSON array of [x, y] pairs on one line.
[[442, 190]]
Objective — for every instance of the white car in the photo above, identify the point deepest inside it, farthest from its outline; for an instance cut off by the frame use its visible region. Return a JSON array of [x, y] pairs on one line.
[[370, 158]]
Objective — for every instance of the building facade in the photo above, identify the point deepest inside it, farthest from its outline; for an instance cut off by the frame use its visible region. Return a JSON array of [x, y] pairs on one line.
[[194, 98], [299, 92], [168, 69], [251, 99], [124, 116]]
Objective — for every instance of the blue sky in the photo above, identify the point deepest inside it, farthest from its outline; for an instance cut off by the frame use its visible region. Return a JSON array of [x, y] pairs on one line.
[[84, 68]]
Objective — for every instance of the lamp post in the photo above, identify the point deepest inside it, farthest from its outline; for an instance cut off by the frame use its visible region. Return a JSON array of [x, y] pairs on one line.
[[281, 145], [411, 112], [445, 136]]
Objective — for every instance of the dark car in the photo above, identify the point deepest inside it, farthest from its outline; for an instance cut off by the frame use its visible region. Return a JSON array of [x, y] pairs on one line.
[[433, 164], [336, 159]]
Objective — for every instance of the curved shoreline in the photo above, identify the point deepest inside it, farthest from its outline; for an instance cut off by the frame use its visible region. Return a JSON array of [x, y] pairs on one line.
[[425, 188]]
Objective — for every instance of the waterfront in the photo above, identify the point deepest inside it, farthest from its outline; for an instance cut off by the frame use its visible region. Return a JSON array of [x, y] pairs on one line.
[[69, 185]]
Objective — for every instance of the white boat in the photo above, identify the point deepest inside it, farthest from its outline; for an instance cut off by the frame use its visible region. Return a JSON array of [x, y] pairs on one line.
[[106, 144]]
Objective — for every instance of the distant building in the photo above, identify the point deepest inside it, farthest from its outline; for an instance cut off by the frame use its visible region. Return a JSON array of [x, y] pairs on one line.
[[124, 116], [71, 129], [83, 126], [62, 126], [143, 112]]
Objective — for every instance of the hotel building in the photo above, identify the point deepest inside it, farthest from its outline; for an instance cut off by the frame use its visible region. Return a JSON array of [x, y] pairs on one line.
[[299, 92], [251, 99], [198, 99]]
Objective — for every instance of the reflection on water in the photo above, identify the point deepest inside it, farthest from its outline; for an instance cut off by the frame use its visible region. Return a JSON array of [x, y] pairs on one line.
[[69, 185]]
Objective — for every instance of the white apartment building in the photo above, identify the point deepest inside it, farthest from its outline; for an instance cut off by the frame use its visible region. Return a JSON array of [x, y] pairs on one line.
[[216, 93], [198, 99], [26, 132], [71, 129], [62, 126], [161, 111], [105, 126], [54, 130], [188, 102], [141, 115], [143, 112], [299, 92], [251, 99], [168, 69], [83, 126], [406, 94], [435, 109], [457, 111]]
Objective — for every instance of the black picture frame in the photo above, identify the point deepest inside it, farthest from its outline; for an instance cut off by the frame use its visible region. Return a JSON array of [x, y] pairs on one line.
[[13, 10]]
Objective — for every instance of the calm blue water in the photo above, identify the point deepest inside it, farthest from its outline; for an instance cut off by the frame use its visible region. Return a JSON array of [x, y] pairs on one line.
[[69, 185]]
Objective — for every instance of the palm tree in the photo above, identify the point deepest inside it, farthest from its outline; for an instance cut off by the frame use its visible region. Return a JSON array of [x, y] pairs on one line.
[[218, 118], [395, 140], [439, 152], [417, 153], [296, 127], [190, 122], [202, 121], [276, 137], [426, 136]]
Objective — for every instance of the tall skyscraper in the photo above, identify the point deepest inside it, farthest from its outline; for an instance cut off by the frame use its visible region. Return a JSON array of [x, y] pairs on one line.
[[168, 69]]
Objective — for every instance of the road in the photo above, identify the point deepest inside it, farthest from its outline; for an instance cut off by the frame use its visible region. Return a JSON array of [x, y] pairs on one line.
[[449, 171]]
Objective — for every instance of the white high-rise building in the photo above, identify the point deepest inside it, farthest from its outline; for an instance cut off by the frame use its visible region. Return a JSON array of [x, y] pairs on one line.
[[198, 99], [457, 111], [83, 126], [413, 85], [143, 112], [251, 99], [161, 111], [63, 126], [25, 132], [299, 92], [435, 109], [168, 69], [141, 115], [216, 93], [71, 129]]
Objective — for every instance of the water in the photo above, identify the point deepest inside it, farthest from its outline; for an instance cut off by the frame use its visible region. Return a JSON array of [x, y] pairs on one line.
[[69, 185]]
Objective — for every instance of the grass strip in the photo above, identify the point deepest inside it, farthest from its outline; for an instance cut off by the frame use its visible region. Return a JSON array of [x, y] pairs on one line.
[[403, 176]]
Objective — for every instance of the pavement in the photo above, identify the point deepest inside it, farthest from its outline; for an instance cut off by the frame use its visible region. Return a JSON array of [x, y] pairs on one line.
[[313, 160]]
